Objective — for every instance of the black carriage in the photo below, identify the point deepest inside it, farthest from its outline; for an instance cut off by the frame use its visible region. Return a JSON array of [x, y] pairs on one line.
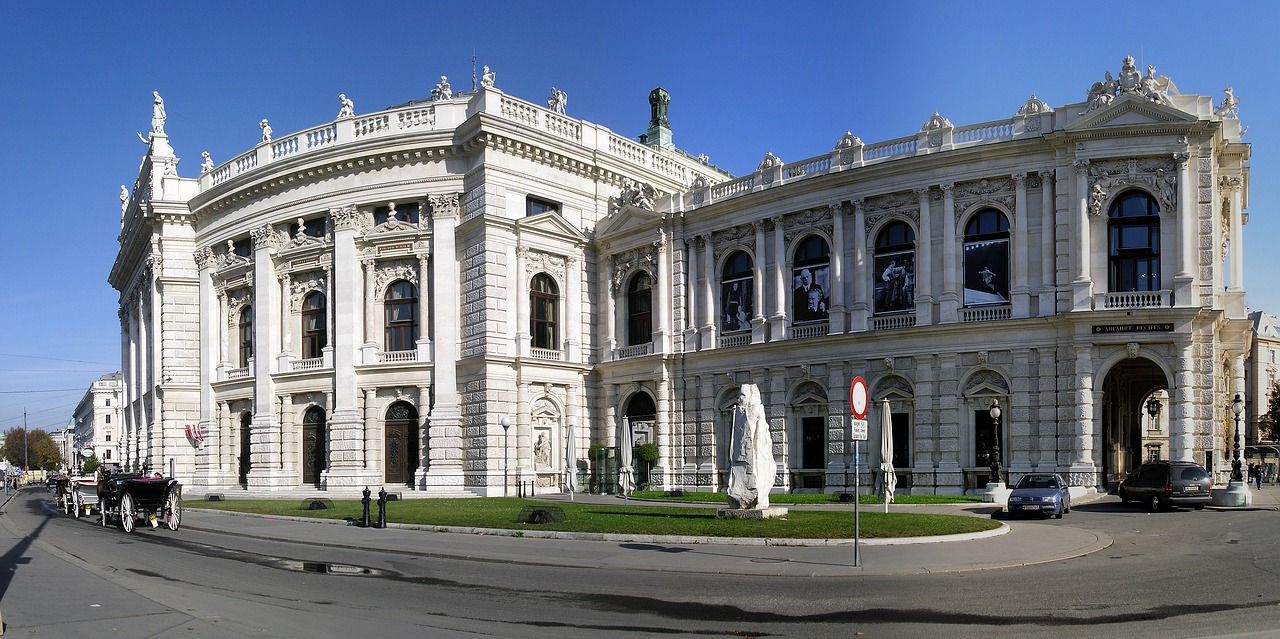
[[128, 499]]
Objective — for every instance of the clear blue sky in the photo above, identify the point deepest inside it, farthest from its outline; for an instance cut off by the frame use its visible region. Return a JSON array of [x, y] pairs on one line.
[[745, 78]]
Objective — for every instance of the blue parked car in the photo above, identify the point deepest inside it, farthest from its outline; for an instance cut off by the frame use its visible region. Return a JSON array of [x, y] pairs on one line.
[[1040, 493]]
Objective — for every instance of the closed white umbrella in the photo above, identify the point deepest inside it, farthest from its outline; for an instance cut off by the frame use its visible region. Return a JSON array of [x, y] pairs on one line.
[[886, 453], [625, 442], [570, 461]]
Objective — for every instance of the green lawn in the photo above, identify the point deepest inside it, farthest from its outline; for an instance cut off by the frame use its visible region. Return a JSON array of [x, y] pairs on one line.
[[500, 512]]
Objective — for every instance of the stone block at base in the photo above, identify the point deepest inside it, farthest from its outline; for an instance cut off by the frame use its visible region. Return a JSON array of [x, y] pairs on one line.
[[771, 512]]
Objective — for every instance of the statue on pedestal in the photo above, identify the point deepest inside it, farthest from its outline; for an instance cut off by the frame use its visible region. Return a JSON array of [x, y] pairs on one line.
[[157, 113], [751, 466]]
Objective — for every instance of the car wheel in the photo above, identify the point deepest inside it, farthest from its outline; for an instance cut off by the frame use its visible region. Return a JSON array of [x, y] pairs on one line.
[[1124, 497], [1155, 503]]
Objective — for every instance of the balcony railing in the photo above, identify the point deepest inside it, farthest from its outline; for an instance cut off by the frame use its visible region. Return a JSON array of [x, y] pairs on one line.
[[737, 339], [986, 313], [889, 322], [1133, 299], [237, 373], [546, 353], [387, 357], [308, 364], [808, 330], [639, 350]]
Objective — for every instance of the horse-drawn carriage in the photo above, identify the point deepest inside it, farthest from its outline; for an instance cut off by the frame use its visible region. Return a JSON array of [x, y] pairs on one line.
[[128, 499], [76, 496]]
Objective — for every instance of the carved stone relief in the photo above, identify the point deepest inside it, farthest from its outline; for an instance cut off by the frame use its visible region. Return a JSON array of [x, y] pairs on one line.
[[805, 221], [304, 284], [731, 238], [1158, 175], [392, 270], [644, 258], [539, 262]]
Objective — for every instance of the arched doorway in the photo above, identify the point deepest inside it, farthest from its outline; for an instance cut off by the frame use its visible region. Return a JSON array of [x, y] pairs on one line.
[[400, 444], [313, 445], [641, 413], [1135, 409], [246, 423]]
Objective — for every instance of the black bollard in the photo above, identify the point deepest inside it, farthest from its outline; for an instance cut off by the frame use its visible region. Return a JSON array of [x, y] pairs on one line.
[[364, 519], [382, 508]]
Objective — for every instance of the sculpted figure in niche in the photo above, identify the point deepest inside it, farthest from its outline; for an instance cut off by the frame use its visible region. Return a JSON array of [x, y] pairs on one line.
[[542, 452], [751, 466]]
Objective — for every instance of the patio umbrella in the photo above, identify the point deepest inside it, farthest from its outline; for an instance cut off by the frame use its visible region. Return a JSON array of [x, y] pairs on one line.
[[625, 442], [570, 461], [886, 453]]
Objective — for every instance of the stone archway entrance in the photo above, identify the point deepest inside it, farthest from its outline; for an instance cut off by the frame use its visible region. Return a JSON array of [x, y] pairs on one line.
[[1135, 417], [400, 444]]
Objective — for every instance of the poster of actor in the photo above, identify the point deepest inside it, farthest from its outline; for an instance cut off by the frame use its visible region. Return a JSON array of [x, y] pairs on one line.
[[809, 299], [736, 306], [986, 273], [895, 282]]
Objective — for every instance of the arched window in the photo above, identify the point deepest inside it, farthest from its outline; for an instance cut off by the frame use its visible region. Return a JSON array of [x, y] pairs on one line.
[[737, 292], [315, 333], [401, 310], [895, 269], [986, 259], [640, 310], [245, 329], [810, 280], [1133, 238], [544, 310]]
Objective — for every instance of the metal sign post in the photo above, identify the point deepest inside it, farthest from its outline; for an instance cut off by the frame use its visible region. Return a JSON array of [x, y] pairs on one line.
[[858, 400]]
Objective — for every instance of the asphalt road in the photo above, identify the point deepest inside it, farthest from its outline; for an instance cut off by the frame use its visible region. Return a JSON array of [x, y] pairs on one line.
[[1170, 574]]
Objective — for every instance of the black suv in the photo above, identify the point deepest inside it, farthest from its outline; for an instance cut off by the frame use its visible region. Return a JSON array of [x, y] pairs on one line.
[[1162, 484]]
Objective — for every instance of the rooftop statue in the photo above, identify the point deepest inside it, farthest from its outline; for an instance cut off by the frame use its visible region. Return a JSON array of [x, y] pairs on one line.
[[1152, 87], [124, 199], [936, 121], [770, 161], [157, 113], [207, 164], [487, 78], [751, 466], [1229, 107], [442, 90], [266, 130], [557, 101], [1033, 106], [348, 107]]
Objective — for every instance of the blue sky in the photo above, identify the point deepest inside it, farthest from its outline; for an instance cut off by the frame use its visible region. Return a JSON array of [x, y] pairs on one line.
[[745, 78]]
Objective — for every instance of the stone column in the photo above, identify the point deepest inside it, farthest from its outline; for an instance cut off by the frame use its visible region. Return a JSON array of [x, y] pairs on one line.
[[426, 447], [1048, 246], [518, 285], [708, 292], [226, 442], [778, 320], [1082, 283], [346, 426], [1182, 426], [1237, 237], [662, 336], [291, 438], [1082, 467], [446, 416], [610, 346], [1184, 281], [368, 399], [924, 263], [424, 306], [949, 311], [861, 269], [1021, 292], [757, 281], [268, 305], [836, 323], [211, 340], [573, 315]]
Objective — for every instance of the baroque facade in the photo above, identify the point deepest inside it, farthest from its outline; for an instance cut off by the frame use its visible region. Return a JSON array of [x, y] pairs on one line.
[[363, 302]]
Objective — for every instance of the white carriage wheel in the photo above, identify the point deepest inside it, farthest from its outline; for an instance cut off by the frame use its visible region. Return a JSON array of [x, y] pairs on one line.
[[126, 512], [173, 507], [77, 503]]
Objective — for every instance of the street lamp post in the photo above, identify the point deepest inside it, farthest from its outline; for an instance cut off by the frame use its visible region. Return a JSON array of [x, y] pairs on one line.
[[994, 456], [1237, 407], [506, 427]]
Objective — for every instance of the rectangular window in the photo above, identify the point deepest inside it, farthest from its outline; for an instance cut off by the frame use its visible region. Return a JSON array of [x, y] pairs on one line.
[[108, 418], [108, 436], [106, 456], [537, 206]]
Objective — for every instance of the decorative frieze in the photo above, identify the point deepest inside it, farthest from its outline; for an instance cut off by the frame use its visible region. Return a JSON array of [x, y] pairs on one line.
[[539, 262], [806, 221], [301, 285], [644, 258]]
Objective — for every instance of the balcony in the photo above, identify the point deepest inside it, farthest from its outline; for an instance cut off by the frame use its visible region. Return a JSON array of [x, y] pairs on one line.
[[986, 313], [639, 350], [737, 339], [808, 330], [890, 322], [546, 354], [308, 364], [1133, 299], [390, 357]]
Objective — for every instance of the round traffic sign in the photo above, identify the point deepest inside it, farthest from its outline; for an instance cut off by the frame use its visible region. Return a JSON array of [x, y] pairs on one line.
[[858, 398]]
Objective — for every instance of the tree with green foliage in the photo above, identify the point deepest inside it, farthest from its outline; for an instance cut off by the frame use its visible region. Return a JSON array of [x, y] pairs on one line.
[[34, 449], [1269, 425], [90, 465]]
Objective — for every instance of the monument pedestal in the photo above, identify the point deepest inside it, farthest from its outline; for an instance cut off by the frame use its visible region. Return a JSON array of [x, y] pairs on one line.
[[1236, 495], [772, 512]]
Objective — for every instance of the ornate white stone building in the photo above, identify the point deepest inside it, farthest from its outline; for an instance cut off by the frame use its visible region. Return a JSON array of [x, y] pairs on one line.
[[362, 302], [96, 427]]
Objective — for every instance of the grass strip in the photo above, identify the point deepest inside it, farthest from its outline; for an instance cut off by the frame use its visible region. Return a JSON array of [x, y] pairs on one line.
[[501, 512]]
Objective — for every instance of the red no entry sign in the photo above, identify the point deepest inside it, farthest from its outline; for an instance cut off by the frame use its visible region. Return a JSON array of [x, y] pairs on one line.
[[858, 398]]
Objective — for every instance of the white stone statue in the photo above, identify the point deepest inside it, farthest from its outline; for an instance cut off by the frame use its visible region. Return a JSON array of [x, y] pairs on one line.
[[207, 164], [442, 90], [157, 113], [124, 199], [266, 130], [1229, 107], [487, 78], [557, 101], [542, 452], [348, 107], [1097, 197], [751, 466]]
